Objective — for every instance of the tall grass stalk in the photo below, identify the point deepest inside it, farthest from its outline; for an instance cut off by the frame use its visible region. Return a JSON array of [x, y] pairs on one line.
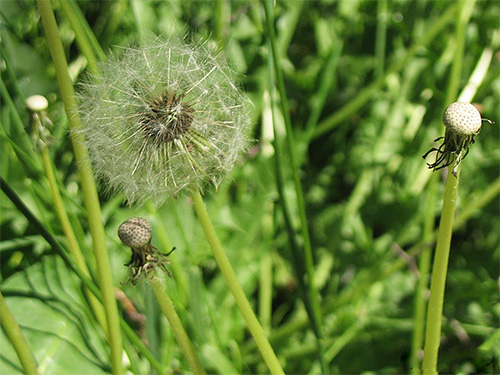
[[85, 38], [312, 295], [222, 260], [88, 185], [16, 338]]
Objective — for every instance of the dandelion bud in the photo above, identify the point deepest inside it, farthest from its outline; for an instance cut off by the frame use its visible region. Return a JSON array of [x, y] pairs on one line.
[[135, 233], [163, 118]]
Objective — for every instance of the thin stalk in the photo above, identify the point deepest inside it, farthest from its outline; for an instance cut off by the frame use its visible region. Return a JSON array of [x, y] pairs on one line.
[[424, 264], [313, 294], [81, 36], [234, 286], [16, 338], [88, 185], [327, 80], [424, 261], [73, 245], [438, 280], [296, 254], [167, 307], [466, 8]]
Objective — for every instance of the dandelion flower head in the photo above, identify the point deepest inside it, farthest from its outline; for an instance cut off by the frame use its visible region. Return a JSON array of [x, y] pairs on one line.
[[163, 118]]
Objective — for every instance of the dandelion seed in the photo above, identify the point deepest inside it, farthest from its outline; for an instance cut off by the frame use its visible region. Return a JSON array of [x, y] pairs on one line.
[[163, 118]]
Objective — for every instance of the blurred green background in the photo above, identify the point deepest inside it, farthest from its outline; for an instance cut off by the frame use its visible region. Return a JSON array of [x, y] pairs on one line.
[[367, 83]]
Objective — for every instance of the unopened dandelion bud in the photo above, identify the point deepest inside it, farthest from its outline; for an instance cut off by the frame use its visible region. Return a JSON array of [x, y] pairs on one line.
[[135, 233], [163, 118]]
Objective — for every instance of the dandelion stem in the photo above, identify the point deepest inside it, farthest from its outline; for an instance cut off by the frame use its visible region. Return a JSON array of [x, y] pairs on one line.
[[73, 245], [234, 286], [465, 12], [438, 280], [167, 307], [16, 338], [88, 185], [424, 263]]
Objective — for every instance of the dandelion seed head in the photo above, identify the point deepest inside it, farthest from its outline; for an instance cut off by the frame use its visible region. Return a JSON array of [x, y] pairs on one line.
[[462, 118], [135, 232], [462, 121], [163, 118]]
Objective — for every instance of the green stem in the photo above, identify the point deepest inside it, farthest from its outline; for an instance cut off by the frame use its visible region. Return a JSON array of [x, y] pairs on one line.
[[167, 307], [234, 286], [175, 263], [73, 245], [16, 338], [424, 262], [88, 185], [81, 36], [439, 270], [425, 257]]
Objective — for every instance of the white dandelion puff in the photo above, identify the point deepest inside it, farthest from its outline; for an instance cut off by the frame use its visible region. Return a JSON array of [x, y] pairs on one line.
[[163, 118]]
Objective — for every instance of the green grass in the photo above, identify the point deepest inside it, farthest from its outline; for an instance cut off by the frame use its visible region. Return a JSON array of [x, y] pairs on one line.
[[354, 92]]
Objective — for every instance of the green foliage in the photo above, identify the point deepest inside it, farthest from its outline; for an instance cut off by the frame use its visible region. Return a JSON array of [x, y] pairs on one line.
[[364, 181]]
